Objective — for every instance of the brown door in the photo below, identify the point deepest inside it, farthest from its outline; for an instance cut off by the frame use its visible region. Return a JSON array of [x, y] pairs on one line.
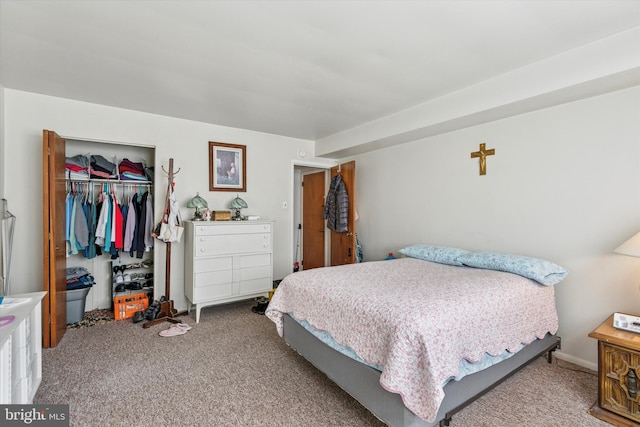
[[313, 220], [54, 317], [343, 245]]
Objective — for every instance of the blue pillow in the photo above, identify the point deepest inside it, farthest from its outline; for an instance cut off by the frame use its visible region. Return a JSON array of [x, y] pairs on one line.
[[544, 272], [439, 254]]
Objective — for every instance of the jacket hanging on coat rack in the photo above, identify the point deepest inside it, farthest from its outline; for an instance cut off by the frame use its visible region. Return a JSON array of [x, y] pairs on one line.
[[336, 207]]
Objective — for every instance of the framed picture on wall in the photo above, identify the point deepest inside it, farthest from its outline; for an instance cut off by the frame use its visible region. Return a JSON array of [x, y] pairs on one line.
[[227, 167]]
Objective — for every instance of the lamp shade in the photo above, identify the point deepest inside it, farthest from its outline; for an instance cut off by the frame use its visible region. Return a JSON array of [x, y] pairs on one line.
[[238, 203], [631, 247], [197, 202]]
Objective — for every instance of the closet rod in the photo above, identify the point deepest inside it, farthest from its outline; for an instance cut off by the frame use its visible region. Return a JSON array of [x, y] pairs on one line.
[[94, 182]]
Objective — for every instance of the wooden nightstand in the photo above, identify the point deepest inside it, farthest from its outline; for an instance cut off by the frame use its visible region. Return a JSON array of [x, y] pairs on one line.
[[618, 369]]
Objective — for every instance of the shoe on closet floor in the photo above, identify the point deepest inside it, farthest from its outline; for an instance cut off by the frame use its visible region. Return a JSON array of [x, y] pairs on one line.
[[152, 311], [175, 329], [138, 316]]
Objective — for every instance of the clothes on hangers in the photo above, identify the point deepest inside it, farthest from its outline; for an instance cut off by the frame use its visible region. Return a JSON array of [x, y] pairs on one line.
[[336, 208], [104, 225]]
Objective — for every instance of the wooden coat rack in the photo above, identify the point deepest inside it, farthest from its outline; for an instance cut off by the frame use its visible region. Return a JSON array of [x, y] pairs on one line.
[[167, 312]]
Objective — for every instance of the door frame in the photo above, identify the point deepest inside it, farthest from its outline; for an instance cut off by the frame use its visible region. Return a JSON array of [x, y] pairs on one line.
[[295, 202]]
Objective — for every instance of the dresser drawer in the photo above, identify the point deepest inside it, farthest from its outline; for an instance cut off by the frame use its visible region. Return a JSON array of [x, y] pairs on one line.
[[256, 260], [231, 228], [222, 290], [22, 335], [232, 243], [19, 364], [213, 278], [207, 265], [255, 285], [620, 386], [254, 273]]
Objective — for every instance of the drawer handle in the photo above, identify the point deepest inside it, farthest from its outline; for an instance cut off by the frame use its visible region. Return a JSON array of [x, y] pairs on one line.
[[201, 249], [632, 384]]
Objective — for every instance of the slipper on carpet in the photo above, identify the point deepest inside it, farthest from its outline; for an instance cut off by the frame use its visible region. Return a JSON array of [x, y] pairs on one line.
[[177, 329]]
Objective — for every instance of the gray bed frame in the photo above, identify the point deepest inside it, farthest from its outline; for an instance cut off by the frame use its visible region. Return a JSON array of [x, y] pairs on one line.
[[363, 382]]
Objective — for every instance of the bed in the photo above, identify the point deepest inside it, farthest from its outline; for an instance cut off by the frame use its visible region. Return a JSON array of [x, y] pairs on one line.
[[416, 339]]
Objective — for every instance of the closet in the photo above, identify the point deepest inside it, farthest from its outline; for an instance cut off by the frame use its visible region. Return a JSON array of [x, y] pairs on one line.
[[113, 270]]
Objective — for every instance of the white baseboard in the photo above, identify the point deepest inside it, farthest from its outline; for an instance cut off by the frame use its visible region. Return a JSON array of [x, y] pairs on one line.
[[576, 361]]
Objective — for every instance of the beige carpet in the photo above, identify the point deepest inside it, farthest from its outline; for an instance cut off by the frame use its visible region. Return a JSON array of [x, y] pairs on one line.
[[232, 369]]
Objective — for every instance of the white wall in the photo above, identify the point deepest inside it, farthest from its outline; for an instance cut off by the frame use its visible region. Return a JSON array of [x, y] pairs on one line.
[[269, 159], [564, 185], [599, 67]]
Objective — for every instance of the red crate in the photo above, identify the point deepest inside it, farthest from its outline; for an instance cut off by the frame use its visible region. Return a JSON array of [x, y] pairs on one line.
[[125, 306]]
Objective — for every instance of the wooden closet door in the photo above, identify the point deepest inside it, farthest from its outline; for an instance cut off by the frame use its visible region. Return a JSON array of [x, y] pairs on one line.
[[343, 245], [54, 317], [313, 228]]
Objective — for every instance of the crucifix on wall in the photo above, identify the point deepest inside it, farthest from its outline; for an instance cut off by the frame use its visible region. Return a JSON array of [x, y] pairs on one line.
[[482, 154]]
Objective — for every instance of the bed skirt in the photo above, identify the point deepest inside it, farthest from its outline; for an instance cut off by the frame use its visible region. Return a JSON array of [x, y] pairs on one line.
[[363, 382]]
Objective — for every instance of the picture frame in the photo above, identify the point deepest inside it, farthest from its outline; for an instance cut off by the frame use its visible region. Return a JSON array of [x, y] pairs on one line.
[[227, 167]]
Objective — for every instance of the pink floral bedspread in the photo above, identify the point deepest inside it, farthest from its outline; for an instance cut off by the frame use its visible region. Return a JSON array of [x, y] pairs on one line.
[[418, 319]]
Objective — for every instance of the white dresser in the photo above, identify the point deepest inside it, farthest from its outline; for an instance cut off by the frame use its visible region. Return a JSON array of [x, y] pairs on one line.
[[21, 350], [227, 261]]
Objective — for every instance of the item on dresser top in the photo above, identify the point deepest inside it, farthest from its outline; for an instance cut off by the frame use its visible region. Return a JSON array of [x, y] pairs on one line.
[[237, 204], [9, 302], [200, 205], [5, 320], [221, 215]]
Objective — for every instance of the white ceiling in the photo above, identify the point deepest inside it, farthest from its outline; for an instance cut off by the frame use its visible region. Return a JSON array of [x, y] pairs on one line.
[[305, 69]]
